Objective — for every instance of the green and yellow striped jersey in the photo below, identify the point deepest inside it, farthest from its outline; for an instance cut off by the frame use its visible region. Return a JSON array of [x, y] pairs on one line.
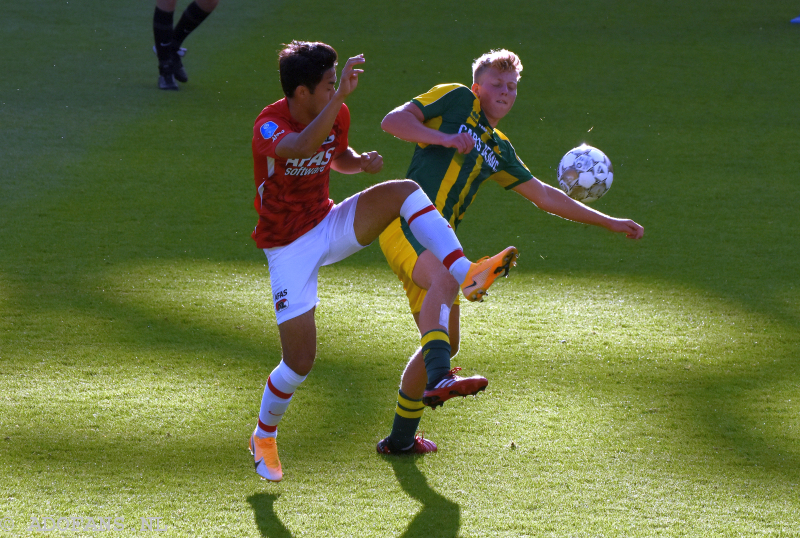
[[451, 180]]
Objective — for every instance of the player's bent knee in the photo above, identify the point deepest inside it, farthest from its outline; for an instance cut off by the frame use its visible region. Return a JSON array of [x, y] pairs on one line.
[[444, 282], [401, 188], [388, 196], [449, 285], [409, 184]]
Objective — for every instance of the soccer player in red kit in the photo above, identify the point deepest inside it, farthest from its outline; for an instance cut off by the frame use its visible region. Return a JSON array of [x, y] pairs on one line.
[[296, 142]]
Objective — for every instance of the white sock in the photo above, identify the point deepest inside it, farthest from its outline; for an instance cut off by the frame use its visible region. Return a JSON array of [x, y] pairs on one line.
[[434, 233], [459, 269], [281, 384]]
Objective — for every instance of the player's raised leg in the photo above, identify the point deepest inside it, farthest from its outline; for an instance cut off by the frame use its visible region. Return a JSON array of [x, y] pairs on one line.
[[379, 205]]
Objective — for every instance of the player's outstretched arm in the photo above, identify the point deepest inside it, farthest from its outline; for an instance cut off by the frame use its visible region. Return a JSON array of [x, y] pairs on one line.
[[556, 202], [406, 122]]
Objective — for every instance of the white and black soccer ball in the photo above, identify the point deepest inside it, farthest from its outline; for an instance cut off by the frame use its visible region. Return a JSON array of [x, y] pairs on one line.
[[585, 173]]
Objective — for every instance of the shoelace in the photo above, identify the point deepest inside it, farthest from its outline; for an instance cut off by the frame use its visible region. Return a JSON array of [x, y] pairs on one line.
[[454, 371]]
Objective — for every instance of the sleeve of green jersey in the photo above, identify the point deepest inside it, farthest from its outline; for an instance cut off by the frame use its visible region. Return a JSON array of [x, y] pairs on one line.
[[513, 172], [436, 101]]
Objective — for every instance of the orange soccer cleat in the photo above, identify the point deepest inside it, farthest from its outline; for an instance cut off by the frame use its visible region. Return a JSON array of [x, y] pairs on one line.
[[483, 273], [265, 455]]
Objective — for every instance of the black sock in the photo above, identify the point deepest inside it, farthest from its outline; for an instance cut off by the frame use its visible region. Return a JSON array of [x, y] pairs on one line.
[[163, 34], [190, 20]]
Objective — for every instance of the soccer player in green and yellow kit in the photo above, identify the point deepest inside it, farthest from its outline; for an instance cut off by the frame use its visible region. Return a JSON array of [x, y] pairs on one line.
[[458, 148]]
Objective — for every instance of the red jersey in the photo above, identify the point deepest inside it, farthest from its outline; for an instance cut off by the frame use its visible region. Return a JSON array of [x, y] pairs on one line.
[[291, 194]]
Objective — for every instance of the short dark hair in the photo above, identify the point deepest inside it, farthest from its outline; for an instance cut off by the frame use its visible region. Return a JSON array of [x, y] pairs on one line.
[[303, 64]]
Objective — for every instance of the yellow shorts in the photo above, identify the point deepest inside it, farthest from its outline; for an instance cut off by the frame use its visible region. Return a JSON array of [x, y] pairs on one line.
[[402, 256]]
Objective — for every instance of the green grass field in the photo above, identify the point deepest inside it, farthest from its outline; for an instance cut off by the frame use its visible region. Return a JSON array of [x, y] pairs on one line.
[[637, 389]]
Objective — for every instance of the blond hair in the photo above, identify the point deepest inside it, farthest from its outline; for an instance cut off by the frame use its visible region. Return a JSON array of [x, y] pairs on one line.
[[501, 59]]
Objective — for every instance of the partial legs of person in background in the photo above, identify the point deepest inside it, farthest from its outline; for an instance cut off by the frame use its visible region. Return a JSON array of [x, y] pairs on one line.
[[168, 39]]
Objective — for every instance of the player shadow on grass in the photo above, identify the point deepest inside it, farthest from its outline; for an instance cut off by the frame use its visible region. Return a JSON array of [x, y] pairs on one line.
[[269, 525], [439, 516]]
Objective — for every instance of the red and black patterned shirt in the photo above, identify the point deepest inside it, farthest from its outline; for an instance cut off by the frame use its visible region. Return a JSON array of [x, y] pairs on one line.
[[291, 194]]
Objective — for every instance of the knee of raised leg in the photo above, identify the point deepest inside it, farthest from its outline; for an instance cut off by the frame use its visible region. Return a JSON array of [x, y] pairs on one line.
[[445, 282], [405, 186], [390, 193], [449, 284]]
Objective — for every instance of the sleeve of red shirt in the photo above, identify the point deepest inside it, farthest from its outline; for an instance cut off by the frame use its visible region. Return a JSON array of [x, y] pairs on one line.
[[267, 133], [343, 126]]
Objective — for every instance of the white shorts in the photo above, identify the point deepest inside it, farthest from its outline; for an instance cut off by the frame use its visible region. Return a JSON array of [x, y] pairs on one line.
[[293, 268]]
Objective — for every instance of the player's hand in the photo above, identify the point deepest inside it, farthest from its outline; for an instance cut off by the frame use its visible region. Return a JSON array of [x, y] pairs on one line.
[[463, 142], [350, 74], [371, 162], [627, 227]]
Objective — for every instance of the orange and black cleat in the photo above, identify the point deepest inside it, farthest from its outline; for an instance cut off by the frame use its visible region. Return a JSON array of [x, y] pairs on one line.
[[483, 273], [265, 458]]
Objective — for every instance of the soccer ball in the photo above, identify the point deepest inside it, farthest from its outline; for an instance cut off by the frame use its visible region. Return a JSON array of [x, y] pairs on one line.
[[585, 173]]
